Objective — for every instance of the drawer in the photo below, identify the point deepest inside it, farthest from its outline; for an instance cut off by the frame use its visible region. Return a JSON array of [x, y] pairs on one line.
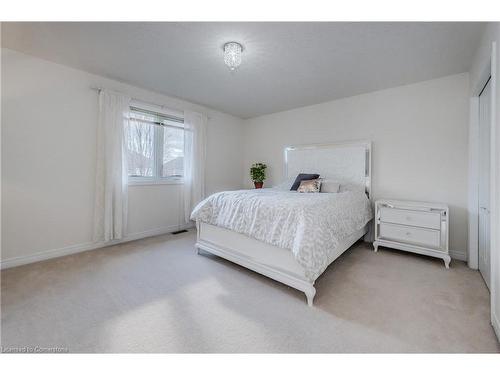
[[413, 235], [410, 217]]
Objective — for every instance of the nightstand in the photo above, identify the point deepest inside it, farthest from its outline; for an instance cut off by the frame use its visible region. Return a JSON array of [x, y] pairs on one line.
[[417, 227]]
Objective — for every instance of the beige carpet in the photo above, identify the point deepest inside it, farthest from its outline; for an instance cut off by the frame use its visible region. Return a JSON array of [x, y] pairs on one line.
[[158, 295]]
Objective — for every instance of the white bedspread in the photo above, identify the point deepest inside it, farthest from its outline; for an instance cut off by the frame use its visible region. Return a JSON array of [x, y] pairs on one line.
[[309, 224]]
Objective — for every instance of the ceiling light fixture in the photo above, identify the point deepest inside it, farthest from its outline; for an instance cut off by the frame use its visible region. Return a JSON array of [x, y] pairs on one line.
[[232, 54]]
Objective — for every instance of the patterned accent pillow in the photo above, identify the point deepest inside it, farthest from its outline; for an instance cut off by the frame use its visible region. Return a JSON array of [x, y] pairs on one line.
[[309, 186]]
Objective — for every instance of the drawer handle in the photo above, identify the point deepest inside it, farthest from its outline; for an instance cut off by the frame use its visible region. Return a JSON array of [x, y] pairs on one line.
[[408, 234], [408, 218]]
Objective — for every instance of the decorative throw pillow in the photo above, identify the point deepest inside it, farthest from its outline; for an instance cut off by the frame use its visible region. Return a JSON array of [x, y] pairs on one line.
[[309, 186], [302, 177]]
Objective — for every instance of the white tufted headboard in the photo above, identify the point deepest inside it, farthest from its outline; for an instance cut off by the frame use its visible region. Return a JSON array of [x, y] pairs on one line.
[[347, 162]]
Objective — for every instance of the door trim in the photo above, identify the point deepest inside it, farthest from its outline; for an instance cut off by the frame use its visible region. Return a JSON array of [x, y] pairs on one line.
[[489, 128], [488, 74], [490, 69]]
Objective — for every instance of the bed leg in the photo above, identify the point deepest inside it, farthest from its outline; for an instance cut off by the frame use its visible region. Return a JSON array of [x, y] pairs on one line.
[[310, 295]]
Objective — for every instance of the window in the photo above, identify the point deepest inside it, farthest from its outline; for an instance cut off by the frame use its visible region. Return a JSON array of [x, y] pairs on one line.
[[155, 147]]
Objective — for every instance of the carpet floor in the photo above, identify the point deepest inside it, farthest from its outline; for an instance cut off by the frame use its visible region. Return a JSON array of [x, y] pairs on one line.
[[158, 295]]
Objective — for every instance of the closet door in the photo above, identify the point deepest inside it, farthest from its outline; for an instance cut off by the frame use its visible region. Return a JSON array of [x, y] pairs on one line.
[[484, 182]]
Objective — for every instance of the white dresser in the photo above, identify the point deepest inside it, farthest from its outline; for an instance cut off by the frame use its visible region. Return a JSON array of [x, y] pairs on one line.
[[418, 227]]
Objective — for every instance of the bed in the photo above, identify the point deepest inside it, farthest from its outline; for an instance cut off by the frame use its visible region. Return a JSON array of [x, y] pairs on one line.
[[288, 236]]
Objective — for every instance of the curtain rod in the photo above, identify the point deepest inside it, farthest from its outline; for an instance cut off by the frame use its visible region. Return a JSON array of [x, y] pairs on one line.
[[99, 89]]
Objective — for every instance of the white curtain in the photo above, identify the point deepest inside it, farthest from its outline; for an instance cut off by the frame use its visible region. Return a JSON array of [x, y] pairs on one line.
[[110, 220], [194, 160]]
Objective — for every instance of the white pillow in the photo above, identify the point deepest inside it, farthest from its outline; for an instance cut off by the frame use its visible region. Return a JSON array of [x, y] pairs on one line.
[[352, 187], [285, 185], [329, 186]]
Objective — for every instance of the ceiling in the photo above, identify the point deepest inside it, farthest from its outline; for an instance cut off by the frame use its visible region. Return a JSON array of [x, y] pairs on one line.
[[285, 65]]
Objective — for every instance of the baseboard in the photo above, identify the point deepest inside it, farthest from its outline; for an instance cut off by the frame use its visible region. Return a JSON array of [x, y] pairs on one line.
[[48, 254], [458, 255], [496, 325], [78, 248]]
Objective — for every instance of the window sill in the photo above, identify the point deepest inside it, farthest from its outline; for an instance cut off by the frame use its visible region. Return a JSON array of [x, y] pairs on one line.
[[154, 181]]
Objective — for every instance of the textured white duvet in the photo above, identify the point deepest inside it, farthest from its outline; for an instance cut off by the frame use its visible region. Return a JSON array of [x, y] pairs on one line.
[[310, 225]]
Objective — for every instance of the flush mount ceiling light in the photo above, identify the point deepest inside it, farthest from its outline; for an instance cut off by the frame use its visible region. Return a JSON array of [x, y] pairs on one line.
[[232, 54]]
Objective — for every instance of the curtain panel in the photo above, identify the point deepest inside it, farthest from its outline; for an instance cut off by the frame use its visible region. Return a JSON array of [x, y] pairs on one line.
[[195, 125], [111, 193]]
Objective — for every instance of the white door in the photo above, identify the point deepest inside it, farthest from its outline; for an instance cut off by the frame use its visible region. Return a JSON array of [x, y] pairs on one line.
[[484, 183]]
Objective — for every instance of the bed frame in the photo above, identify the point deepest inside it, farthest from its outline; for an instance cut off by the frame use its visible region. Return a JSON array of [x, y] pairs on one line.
[[348, 162]]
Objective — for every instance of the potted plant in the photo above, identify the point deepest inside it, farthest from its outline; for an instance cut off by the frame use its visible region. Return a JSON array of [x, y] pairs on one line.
[[258, 174]]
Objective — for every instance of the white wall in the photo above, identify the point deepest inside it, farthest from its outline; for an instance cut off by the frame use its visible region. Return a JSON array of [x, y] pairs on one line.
[[419, 135], [49, 116], [481, 63]]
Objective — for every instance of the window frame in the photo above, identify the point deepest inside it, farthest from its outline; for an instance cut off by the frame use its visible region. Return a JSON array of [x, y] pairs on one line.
[[158, 138]]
